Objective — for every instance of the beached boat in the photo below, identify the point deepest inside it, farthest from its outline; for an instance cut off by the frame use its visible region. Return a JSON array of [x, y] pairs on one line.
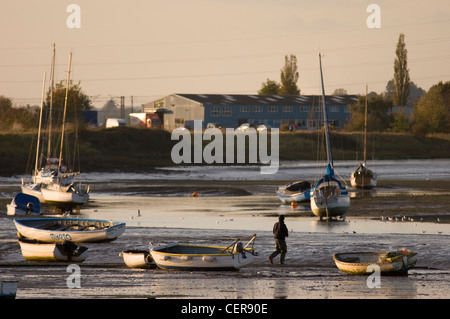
[[73, 229], [363, 177], [135, 258], [24, 204], [42, 251], [298, 192], [393, 263], [199, 257], [329, 197]]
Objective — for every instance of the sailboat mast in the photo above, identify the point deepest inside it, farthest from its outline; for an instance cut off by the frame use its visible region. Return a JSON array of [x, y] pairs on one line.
[[49, 148], [325, 119], [365, 130], [39, 130], [64, 114]]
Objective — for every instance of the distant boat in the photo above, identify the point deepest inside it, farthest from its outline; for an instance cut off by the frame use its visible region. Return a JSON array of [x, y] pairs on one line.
[[199, 257], [24, 204], [363, 177], [298, 192], [72, 229], [135, 258], [42, 251], [329, 198], [393, 263]]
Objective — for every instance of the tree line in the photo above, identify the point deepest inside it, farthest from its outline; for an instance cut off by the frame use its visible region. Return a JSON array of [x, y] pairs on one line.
[[431, 110]]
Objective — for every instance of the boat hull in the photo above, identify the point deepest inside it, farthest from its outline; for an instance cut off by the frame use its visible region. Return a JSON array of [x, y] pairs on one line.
[[363, 181], [140, 259], [298, 192], [55, 196], [72, 229], [207, 257], [332, 206], [390, 263], [42, 251], [33, 190]]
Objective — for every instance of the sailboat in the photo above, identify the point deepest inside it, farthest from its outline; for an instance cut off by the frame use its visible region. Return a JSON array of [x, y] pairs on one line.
[[363, 177], [54, 183], [329, 197]]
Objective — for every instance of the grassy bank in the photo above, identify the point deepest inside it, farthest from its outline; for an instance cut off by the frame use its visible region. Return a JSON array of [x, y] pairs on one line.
[[134, 149]]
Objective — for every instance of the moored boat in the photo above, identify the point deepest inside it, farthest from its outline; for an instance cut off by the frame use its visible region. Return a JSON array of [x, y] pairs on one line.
[[200, 257], [24, 204], [393, 263], [298, 192], [136, 258], [329, 197], [43, 251], [73, 229]]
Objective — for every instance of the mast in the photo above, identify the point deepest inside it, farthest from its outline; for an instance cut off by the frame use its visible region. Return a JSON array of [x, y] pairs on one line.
[[325, 119], [365, 130], [39, 131], [49, 148], [64, 114]]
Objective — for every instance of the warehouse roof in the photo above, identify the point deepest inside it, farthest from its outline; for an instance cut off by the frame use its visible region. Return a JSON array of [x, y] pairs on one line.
[[243, 99]]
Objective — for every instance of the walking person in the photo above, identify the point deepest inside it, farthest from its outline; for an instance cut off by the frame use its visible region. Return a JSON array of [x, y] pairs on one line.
[[280, 232]]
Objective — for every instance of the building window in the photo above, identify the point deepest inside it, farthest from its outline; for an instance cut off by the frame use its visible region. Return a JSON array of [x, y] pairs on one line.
[[257, 109], [304, 108], [245, 109], [334, 109], [288, 109], [215, 111], [226, 111], [179, 121], [273, 109], [316, 109]]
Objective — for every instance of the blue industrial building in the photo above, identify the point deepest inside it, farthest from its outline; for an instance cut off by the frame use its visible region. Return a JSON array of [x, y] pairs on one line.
[[231, 110]]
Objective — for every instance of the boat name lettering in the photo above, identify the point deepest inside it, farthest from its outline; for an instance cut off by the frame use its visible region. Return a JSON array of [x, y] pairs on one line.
[[61, 236]]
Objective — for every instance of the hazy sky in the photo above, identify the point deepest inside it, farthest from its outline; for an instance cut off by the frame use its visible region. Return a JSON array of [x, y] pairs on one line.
[[148, 49]]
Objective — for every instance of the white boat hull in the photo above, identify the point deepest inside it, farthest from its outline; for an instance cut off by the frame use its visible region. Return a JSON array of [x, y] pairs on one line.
[[41, 251], [332, 206], [288, 198], [139, 259], [33, 190], [57, 196], [66, 229], [201, 261], [359, 263]]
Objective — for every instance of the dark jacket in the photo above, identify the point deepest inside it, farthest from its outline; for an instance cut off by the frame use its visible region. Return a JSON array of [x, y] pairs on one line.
[[280, 230]]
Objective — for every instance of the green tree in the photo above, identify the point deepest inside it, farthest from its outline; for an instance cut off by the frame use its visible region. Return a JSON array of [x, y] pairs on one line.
[[269, 87], [378, 108], [401, 73], [432, 113], [399, 122], [77, 101], [16, 118], [289, 76]]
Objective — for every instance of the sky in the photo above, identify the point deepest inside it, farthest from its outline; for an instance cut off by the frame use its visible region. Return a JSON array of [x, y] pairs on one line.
[[145, 49]]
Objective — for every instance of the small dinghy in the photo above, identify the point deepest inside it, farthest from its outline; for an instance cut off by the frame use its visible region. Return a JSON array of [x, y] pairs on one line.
[[24, 204], [394, 263], [77, 230], [298, 192], [140, 259], [199, 257], [41, 251]]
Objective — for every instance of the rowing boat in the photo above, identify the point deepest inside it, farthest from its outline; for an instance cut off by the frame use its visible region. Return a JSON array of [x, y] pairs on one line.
[[359, 263], [201, 257], [42, 251], [72, 229], [135, 258]]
